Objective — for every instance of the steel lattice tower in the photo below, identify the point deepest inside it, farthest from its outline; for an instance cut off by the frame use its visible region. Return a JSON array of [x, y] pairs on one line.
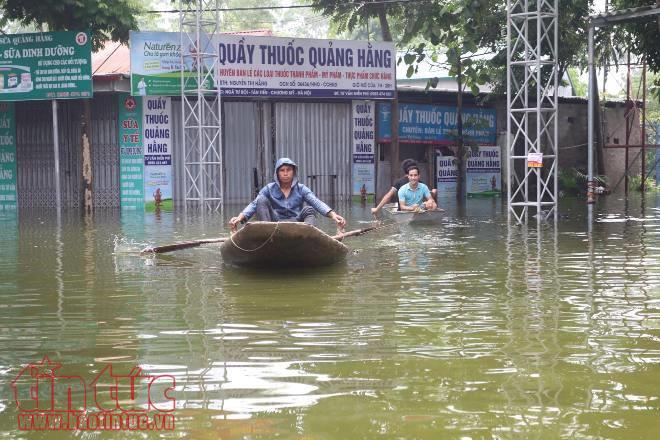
[[532, 34], [201, 104]]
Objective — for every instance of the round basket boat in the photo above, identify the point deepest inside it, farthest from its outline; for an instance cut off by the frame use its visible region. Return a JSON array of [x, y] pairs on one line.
[[282, 244]]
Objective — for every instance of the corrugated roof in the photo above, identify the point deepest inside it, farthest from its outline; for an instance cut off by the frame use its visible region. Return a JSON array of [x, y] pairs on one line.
[[113, 59], [625, 15]]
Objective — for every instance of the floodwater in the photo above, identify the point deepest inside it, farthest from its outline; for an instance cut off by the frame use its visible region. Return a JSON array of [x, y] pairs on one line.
[[468, 329]]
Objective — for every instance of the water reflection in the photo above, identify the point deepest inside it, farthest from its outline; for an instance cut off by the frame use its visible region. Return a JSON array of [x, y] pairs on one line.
[[471, 328]]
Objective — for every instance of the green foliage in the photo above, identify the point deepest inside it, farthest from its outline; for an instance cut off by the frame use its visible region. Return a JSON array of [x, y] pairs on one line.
[[649, 183], [579, 86], [456, 32], [348, 15], [641, 36], [106, 19]]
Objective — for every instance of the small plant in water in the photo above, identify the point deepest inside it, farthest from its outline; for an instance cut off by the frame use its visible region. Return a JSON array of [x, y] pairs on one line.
[[574, 182]]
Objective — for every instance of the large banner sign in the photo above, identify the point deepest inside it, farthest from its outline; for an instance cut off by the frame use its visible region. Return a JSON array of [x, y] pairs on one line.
[[364, 163], [303, 68], [47, 65], [156, 63], [484, 173], [8, 193], [434, 124]]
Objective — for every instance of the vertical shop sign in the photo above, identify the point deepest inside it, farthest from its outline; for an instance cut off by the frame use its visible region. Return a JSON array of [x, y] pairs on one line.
[[131, 155], [657, 154], [364, 126], [446, 175], [8, 193], [157, 137]]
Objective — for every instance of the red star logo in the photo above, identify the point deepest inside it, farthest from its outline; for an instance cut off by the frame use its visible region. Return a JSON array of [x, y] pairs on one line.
[[44, 368], [129, 103]]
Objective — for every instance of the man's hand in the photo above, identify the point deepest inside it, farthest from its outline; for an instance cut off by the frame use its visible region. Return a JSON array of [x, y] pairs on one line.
[[375, 211], [430, 204], [233, 223], [338, 219]]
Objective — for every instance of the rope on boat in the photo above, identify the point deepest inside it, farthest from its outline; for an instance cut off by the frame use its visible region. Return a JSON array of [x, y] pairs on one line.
[[231, 238]]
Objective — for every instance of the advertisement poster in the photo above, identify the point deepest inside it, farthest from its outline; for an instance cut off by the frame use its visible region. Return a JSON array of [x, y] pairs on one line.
[[46, 65], [446, 176], [304, 68], [131, 153], [8, 193], [484, 173], [657, 154], [364, 157], [157, 140], [436, 124], [156, 64]]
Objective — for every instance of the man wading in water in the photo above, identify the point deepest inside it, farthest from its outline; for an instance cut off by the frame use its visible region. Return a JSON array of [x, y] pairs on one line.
[[283, 201]]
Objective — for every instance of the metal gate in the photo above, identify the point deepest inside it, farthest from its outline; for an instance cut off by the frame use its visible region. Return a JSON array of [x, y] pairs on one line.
[[35, 157], [317, 136]]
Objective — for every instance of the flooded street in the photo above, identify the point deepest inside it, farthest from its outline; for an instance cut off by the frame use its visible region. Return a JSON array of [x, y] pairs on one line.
[[468, 329]]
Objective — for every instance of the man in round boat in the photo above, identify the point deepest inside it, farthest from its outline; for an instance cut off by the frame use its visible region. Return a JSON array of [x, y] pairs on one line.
[[284, 200], [414, 195], [392, 194]]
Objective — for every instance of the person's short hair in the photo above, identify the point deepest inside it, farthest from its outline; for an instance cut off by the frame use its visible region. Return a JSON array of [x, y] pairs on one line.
[[407, 163], [413, 167]]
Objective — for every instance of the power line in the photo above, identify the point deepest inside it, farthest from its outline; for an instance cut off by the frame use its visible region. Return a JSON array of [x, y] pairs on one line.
[[265, 8]]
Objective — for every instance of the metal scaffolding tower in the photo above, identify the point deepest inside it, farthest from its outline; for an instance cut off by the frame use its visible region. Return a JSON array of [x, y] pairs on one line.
[[532, 34], [201, 104]]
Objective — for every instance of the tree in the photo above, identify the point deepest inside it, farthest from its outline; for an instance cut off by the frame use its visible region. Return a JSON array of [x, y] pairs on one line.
[[348, 15], [105, 19], [458, 32], [641, 38]]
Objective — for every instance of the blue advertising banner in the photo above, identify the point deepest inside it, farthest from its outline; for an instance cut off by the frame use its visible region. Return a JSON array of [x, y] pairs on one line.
[[435, 124]]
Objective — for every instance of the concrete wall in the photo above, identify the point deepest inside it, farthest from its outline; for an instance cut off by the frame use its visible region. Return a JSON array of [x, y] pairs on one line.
[[572, 142]]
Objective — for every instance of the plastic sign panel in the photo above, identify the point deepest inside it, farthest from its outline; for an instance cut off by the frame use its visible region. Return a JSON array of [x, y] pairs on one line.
[[657, 154], [8, 193], [436, 124], [47, 65], [364, 163], [157, 138], [446, 179], [534, 160], [305, 68], [131, 154], [484, 173], [156, 63]]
